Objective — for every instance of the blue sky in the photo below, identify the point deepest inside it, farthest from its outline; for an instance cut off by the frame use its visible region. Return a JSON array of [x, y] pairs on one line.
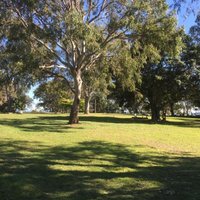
[[185, 20], [35, 101]]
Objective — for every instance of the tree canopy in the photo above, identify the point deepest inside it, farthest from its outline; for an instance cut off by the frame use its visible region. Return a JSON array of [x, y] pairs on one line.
[[69, 39]]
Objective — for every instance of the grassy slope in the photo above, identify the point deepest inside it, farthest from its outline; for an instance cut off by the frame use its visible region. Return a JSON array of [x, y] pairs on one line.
[[104, 157]]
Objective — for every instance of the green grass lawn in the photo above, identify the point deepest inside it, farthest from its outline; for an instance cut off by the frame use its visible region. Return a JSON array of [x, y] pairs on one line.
[[106, 156]]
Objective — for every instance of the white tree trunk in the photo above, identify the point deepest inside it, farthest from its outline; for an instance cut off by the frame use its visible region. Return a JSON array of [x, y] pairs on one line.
[[74, 119]]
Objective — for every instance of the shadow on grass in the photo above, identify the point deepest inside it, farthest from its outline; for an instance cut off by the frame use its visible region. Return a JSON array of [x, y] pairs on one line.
[[101, 119], [182, 121], [59, 124], [54, 124], [94, 170], [179, 121]]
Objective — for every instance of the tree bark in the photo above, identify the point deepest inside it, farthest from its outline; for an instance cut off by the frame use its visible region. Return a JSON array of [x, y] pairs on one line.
[[74, 118], [155, 113], [164, 116], [87, 104], [95, 105], [172, 109]]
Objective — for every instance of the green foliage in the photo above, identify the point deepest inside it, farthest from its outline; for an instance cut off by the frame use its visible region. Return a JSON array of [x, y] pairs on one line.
[[69, 38], [153, 35], [97, 79], [54, 96], [125, 69], [158, 35], [13, 98], [21, 102], [192, 59], [66, 104]]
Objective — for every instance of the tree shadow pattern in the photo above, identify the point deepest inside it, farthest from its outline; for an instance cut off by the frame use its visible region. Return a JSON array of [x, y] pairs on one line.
[[58, 124], [54, 124], [94, 170], [192, 122]]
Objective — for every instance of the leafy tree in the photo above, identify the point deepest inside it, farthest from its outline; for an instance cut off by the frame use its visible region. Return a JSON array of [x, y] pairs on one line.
[[177, 76], [13, 98], [192, 59], [163, 84], [159, 41], [67, 37], [54, 96], [71, 32], [96, 82], [158, 51], [14, 81], [125, 75], [22, 101]]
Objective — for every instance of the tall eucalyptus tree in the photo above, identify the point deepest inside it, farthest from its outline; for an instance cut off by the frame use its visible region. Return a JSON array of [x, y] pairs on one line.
[[67, 37]]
